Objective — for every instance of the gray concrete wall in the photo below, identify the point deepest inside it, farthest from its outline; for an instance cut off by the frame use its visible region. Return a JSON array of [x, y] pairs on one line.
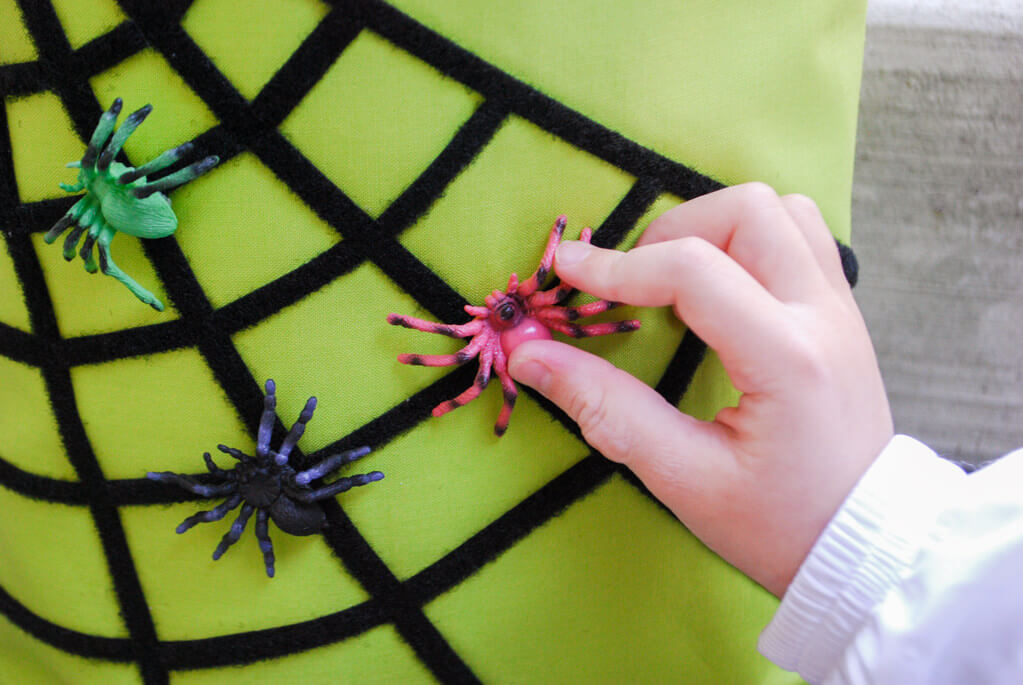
[[938, 218]]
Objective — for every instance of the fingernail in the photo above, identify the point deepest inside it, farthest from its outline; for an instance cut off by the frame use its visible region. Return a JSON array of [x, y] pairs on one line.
[[533, 373], [571, 252]]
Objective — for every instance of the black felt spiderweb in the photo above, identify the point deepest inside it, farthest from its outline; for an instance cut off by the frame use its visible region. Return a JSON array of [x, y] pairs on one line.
[[253, 127]]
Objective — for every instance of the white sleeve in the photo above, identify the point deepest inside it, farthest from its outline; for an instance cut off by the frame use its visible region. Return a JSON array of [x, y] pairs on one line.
[[917, 579]]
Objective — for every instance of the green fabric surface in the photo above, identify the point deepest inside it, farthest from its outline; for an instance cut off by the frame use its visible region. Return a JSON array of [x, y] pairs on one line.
[[613, 589]]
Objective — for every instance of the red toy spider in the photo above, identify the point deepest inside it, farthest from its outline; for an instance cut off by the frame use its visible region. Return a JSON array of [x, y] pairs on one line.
[[522, 312]]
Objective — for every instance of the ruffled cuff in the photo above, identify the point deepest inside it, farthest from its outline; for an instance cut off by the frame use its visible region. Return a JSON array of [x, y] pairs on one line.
[[870, 542]]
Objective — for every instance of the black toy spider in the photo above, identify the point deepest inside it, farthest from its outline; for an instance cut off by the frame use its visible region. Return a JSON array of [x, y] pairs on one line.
[[269, 484]]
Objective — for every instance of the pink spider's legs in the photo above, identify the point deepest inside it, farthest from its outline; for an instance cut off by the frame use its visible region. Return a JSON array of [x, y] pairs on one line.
[[491, 343], [558, 293], [511, 392], [463, 355], [462, 331], [576, 331], [473, 328], [484, 343], [572, 313], [530, 285]]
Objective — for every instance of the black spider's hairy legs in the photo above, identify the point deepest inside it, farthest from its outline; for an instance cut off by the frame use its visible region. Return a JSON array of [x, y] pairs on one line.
[[263, 536], [192, 485], [235, 532], [337, 487], [330, 464], [214, 514]]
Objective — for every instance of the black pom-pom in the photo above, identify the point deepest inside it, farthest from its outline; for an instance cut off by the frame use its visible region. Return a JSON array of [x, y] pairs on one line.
[[850, 265]]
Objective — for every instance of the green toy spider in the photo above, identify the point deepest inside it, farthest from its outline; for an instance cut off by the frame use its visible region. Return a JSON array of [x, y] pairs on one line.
[[119, 198]]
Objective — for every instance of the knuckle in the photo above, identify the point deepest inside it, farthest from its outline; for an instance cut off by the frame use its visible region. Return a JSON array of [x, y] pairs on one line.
[[757, 200], [615, 271], [757, 195], [692, 254], [807, 360], [590, 410], [798, 202]]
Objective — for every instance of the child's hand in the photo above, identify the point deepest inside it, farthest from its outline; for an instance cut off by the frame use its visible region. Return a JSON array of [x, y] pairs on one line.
[[759, 279]]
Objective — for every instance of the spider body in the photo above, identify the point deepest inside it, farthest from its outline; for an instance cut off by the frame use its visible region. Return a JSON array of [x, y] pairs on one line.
[[267, 484], [120, 198], [507, 319]]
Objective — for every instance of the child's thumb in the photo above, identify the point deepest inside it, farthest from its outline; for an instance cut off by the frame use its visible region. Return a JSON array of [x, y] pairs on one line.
[[619, 415]]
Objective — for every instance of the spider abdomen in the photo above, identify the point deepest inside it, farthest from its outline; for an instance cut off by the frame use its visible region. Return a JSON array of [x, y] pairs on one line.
[[297, 518], [149, 217], [527, 328]]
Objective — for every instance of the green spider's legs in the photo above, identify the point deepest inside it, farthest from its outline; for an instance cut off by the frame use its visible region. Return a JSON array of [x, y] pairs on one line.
[[99, 137], [72, 215], [80, 185], [107, 266], [94, 220], [72, 241], [86, 252], [179, 177], [151, 167], [117, 142]]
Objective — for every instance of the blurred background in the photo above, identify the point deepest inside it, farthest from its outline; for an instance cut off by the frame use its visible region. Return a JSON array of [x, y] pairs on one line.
[[938, 218]]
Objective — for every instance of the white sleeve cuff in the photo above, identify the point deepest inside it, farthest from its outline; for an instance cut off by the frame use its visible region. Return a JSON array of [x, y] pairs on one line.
[[870, 542]]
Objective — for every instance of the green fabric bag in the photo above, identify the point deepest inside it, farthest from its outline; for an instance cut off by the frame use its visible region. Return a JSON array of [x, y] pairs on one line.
[[377, 158]]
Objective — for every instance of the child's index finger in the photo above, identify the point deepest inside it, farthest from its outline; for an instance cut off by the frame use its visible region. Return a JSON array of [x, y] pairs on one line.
[[711, 293], [751, 224]]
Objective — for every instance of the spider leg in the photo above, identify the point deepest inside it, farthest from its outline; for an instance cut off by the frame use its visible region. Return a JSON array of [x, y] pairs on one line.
[[76, 187], [482, 378], [560, 292], [163, 161], [576, 331], [212, 466], [89, 219], [297, 429], [338, 486], [263, 535], [580, 312], [117, 141], [237, 454], [107, 266], [545, 298], [71, 242], [100, 135], [179, 177], [192, 485], [530, 285], [72, 215], [214, 514], [266, 421], [461, 331], [463, 355], [235, 532], [330, 464], [511, 392]]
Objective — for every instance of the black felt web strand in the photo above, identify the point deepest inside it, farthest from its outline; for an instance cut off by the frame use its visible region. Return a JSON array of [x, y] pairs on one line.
[[53, 47], [268, 485], [252, 127], [344, 539]]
